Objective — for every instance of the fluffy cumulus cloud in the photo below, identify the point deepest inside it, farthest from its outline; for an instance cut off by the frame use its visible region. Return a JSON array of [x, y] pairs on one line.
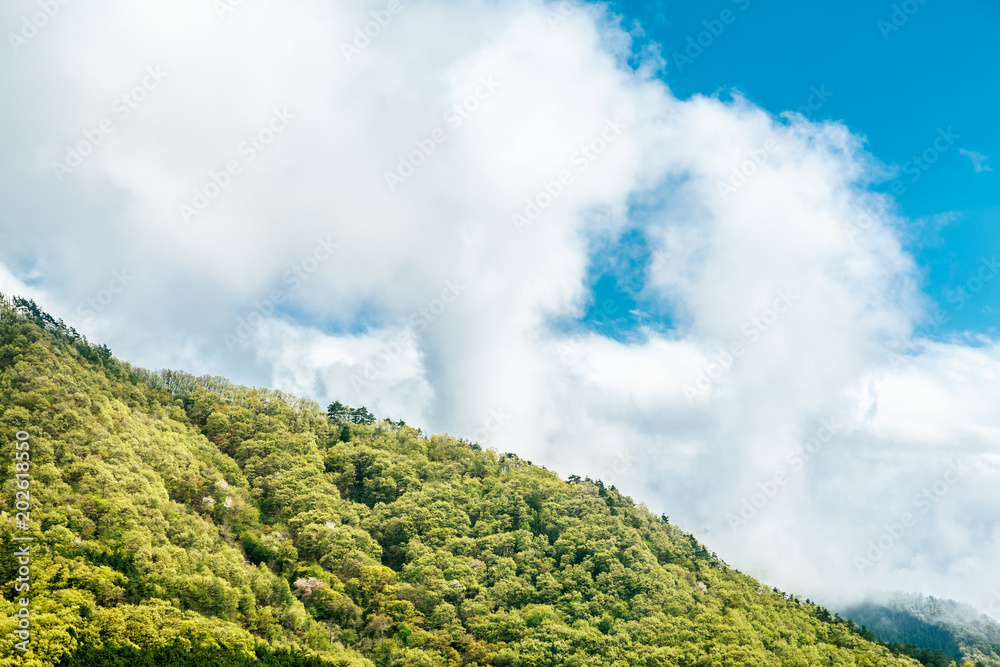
[[398, 204]]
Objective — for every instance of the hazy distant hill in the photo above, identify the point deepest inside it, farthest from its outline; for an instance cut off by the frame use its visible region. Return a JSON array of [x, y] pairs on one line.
[[958, 630]]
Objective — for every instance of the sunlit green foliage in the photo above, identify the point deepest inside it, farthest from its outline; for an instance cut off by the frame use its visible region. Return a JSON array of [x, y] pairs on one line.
[[186, 520]]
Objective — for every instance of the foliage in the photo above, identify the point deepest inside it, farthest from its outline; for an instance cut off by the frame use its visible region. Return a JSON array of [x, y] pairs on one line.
[[185, 520]]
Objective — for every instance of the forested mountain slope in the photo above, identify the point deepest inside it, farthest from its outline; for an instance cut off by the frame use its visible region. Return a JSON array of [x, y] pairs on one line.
[[187, 521]]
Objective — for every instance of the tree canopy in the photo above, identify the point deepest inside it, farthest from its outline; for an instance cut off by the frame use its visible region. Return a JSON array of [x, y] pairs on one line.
[[182, 520]]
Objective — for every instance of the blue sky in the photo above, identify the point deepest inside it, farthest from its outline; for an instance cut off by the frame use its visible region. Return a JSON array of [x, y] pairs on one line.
[[896, 87]]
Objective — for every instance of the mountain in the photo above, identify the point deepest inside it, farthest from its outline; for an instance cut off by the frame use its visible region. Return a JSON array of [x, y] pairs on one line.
[[177, 520], [957, 630]]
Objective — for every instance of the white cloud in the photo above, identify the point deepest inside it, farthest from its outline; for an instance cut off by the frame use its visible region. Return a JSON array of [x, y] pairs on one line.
[[978, 160], [793, 261]]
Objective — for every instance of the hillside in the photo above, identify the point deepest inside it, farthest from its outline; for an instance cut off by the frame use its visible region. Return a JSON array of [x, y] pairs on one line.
[[189, 521], [959, 631]]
